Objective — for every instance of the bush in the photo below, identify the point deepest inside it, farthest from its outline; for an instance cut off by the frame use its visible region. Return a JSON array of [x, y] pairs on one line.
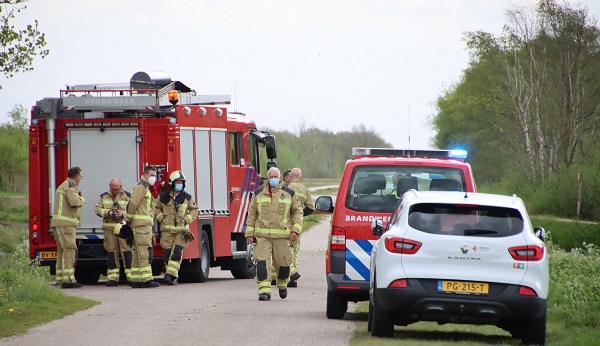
[[22, 280], [575, 285], [568, 234]]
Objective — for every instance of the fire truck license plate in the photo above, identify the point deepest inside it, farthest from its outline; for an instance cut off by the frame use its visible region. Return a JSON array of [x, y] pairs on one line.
[[463, 287], [48, 254]]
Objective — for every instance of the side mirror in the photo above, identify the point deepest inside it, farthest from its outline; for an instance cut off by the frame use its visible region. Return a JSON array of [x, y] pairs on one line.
[[270, 147], [540, 232], [377, 227], [271, 164], [324, 203]]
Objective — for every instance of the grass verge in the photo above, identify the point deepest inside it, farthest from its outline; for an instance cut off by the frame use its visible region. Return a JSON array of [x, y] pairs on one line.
[[26, 297]]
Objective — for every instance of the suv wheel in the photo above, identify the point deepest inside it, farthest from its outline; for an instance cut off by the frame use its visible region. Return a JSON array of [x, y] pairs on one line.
[[370, 317], [534, 331], [382, 323], [336, 306]]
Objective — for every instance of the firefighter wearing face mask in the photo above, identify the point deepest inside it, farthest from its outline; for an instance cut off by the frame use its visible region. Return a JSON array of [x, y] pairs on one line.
[[140, 210], [175, 210], [111, 208], [274, 220]]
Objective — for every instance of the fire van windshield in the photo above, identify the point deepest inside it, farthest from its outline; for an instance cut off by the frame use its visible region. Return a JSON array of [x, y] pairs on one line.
[[378, 188]]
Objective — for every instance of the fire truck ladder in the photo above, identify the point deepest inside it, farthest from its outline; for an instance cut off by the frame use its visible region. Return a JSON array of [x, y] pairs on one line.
[[146, 93]]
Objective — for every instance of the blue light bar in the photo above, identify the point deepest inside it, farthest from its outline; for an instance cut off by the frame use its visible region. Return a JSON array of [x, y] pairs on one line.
[[458, 154]]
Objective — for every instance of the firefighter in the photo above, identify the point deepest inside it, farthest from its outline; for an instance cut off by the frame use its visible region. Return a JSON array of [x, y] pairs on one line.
[[65, 220], [112, 208], [274, 219], [175, 210], [308, 206], [140, 211], [286, 181], [286, 177]]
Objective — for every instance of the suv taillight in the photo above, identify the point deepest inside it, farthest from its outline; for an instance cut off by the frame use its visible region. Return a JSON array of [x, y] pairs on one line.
[[338, 239], [527, 291], [527, 252], [401, 245]]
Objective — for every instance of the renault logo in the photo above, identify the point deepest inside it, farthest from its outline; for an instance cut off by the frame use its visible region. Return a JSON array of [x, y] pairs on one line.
[[464, 248]]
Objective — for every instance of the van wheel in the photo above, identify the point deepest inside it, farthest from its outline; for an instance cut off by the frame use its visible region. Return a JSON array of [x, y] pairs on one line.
[[382, 323], [534, 331], [336, 306], [197, 269]]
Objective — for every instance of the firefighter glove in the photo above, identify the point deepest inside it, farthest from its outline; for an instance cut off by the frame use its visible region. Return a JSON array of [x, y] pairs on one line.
[[188, 236]]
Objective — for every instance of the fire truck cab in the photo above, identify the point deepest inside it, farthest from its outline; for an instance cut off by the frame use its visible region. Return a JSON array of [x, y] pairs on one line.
[[114, 131], [373, 182]]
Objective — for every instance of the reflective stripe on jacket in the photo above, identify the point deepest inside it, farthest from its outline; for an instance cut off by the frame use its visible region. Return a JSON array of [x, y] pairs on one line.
[[106, 203], [304, 197], [67, 205], [170, 217], [274, 214], [140, 210]]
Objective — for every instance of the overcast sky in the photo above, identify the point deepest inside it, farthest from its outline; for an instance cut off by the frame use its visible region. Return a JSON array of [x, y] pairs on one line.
[[332, 64]]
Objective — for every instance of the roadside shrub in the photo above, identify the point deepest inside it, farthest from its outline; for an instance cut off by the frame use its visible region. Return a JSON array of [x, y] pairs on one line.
[[575, 285], [568, 234], [22, 280]]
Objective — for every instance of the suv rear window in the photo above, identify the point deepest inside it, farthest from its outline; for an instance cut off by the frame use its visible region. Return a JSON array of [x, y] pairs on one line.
[[469, 220], [378, 188]]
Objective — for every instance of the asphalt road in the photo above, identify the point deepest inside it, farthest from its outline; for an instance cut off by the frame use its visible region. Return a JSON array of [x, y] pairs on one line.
[[222, 311]]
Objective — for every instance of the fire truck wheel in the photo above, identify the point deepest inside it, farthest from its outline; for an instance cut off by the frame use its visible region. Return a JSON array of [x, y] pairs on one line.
[[197, 269], [242, 271], [87, 275]]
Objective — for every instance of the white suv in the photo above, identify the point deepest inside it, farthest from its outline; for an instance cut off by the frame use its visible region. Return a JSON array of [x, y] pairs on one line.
[[456, 257]]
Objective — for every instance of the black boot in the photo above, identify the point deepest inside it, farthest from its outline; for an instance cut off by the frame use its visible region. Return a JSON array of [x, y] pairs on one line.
[[112, 283], [150, 284], [70, 285], [167, 279], [283, 293]]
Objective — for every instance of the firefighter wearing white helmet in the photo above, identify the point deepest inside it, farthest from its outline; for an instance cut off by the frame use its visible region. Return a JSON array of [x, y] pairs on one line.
[[175, 210]]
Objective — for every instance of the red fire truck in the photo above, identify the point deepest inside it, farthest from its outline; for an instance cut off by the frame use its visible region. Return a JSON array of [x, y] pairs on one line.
[[115, 130]]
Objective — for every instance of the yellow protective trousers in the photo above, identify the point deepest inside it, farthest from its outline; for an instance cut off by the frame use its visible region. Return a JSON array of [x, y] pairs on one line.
[[141, 270], [116, 247], [173, 244], [295, 250], [279, 249], [67, 253]]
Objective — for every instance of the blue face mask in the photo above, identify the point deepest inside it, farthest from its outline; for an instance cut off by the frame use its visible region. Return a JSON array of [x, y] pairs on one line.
[[274, 182], [178, 187]]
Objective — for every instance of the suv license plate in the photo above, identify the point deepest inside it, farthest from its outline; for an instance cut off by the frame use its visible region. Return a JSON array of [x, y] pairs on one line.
[[48, 254], [463, 287]]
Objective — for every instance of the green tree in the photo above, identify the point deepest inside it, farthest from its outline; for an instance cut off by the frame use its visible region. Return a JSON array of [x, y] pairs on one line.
[[528, 107], [19, 46], [14, 148], [321, 153], [549, 61]]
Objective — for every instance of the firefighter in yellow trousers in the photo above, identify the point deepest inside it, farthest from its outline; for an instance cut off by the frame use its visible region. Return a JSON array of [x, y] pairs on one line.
[[175, 210], [308, 206], [274, 219], [140, 212], [65, 220], [112, 208]]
